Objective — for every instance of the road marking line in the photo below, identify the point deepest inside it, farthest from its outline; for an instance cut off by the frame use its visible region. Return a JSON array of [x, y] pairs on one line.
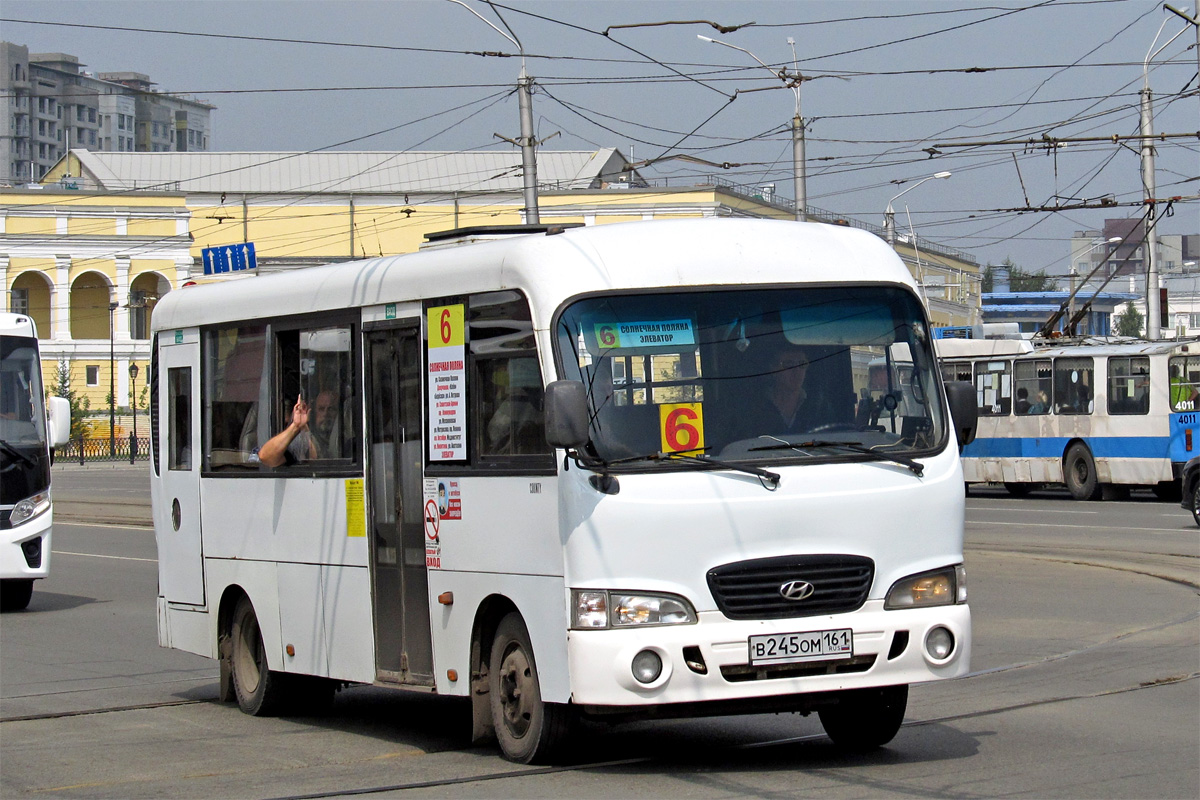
[[1084, 527], [97, 555]]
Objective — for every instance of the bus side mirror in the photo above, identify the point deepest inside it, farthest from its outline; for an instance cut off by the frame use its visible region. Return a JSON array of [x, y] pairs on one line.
[[963, 410], [566, 414], [59, 409]]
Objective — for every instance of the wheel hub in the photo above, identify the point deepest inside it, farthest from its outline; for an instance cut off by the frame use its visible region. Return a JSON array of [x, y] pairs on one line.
[[515, 679]]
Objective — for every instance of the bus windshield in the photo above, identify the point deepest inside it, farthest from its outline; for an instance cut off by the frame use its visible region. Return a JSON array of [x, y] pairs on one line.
[[754, 375], [22, 408]]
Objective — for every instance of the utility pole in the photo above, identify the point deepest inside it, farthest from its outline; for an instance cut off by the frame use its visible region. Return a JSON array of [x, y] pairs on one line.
[[528, 156], [1153, 309], [799, 164]]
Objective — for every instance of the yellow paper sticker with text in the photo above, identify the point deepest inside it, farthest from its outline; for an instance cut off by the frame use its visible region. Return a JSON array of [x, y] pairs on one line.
[[682, 427], [356, 519], [445, 326]]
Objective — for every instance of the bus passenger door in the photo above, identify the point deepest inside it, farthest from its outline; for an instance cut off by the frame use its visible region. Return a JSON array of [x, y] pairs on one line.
[[180, 552], [399, 585]]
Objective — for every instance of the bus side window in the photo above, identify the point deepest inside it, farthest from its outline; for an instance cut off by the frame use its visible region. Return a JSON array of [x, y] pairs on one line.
[[505, 390], [179, 413], [235, 367], [1073, 382], [993, 387], [1129, 385]]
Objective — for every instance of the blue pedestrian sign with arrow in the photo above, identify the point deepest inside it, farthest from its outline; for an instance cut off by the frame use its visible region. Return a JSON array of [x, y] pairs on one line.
[[229, 258]]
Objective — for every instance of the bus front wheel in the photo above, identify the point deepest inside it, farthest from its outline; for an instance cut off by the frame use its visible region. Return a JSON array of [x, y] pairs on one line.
[[529, 731], [259, 691], [1079, 473], [15, 593], [865, 719]]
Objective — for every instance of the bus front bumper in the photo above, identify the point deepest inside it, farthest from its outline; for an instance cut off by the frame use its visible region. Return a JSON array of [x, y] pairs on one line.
[[25, 549], [707, 664]]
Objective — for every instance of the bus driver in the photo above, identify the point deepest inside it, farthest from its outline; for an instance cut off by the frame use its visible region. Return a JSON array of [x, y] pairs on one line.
[[301, 442]]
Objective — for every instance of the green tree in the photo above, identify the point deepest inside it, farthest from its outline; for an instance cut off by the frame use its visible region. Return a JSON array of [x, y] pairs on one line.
[[1128, 322], [79, 405], [1019, 280]]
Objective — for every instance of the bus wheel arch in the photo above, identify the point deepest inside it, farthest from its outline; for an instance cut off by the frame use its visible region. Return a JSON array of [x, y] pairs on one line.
[[1079, 471], [483, 634]]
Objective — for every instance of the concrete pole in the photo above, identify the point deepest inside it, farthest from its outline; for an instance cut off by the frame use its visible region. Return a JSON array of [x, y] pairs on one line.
[[799, 165], [528, 156], [1153, 310]]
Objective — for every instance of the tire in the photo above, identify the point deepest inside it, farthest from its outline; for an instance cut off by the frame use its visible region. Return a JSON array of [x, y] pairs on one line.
[[1018, 489], [1196, 504], [259, 691], [528, 730], [865, 719], [1079, 473], [15, 593]]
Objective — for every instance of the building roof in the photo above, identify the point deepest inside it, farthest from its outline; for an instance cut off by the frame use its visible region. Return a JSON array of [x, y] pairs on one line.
[[343, 172]]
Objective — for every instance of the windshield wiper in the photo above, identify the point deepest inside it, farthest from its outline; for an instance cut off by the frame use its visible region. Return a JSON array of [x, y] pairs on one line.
[[856, 447], [771, 478], [15, 453]]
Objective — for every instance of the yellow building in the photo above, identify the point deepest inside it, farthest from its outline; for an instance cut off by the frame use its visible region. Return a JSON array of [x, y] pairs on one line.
[[121, 229], [88, 267]]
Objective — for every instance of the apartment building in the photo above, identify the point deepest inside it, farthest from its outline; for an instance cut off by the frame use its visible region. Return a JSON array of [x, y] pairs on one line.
[[49, 104]]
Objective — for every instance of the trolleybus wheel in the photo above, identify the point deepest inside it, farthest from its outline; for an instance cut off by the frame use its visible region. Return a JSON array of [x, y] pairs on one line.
[[1018, 489], [1079, 473], [15, 593], [259, 691], [529, 731], [865, 719]]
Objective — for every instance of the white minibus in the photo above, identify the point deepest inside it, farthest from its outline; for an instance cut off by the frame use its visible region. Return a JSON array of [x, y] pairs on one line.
[[608, 472]]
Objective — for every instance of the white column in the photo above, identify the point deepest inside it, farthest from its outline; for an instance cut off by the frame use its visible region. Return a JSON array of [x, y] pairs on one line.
[[121, 290], [60, 300]]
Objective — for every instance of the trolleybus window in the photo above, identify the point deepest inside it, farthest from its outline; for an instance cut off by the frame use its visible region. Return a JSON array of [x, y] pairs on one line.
[[1073, 384], [1129, 385], [1185, 377], [993, 388], [1032, 387]]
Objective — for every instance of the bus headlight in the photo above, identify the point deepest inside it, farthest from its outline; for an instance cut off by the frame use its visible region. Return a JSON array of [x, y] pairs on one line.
[[941, 587], [29, 508], [593, 608]]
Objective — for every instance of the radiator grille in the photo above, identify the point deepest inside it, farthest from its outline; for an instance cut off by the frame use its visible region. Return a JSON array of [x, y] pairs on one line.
[[751, 589]]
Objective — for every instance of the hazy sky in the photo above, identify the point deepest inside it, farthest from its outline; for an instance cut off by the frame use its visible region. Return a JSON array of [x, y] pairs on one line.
[[889, 82]]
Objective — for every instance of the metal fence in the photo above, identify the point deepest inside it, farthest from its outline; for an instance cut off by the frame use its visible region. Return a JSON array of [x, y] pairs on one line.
[[102, 448]]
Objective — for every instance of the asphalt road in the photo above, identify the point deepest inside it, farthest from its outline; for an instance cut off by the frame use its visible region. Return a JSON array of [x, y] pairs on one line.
[[1085, 684]]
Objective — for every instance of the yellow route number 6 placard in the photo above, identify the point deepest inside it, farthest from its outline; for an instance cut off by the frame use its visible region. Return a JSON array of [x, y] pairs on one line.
[[682, 427]]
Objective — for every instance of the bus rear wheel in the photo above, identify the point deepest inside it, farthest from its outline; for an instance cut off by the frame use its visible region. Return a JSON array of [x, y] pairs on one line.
[[529, 731], [1079, 473], [15, 593], [259, 691], [865, 719]]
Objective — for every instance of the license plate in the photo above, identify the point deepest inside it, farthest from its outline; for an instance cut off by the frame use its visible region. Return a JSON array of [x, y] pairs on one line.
[[794, 648]]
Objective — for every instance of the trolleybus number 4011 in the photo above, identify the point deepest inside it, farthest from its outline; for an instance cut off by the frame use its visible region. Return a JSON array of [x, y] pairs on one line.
[[791, 648]]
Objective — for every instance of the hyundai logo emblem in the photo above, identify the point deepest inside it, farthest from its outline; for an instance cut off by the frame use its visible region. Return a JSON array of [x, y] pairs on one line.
[[797, 590]]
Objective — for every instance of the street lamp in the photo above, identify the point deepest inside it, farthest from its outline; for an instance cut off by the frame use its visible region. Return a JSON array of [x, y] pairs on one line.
[[889, 216], [112, 381], [525, 107], [133, 373], [799, 163]]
